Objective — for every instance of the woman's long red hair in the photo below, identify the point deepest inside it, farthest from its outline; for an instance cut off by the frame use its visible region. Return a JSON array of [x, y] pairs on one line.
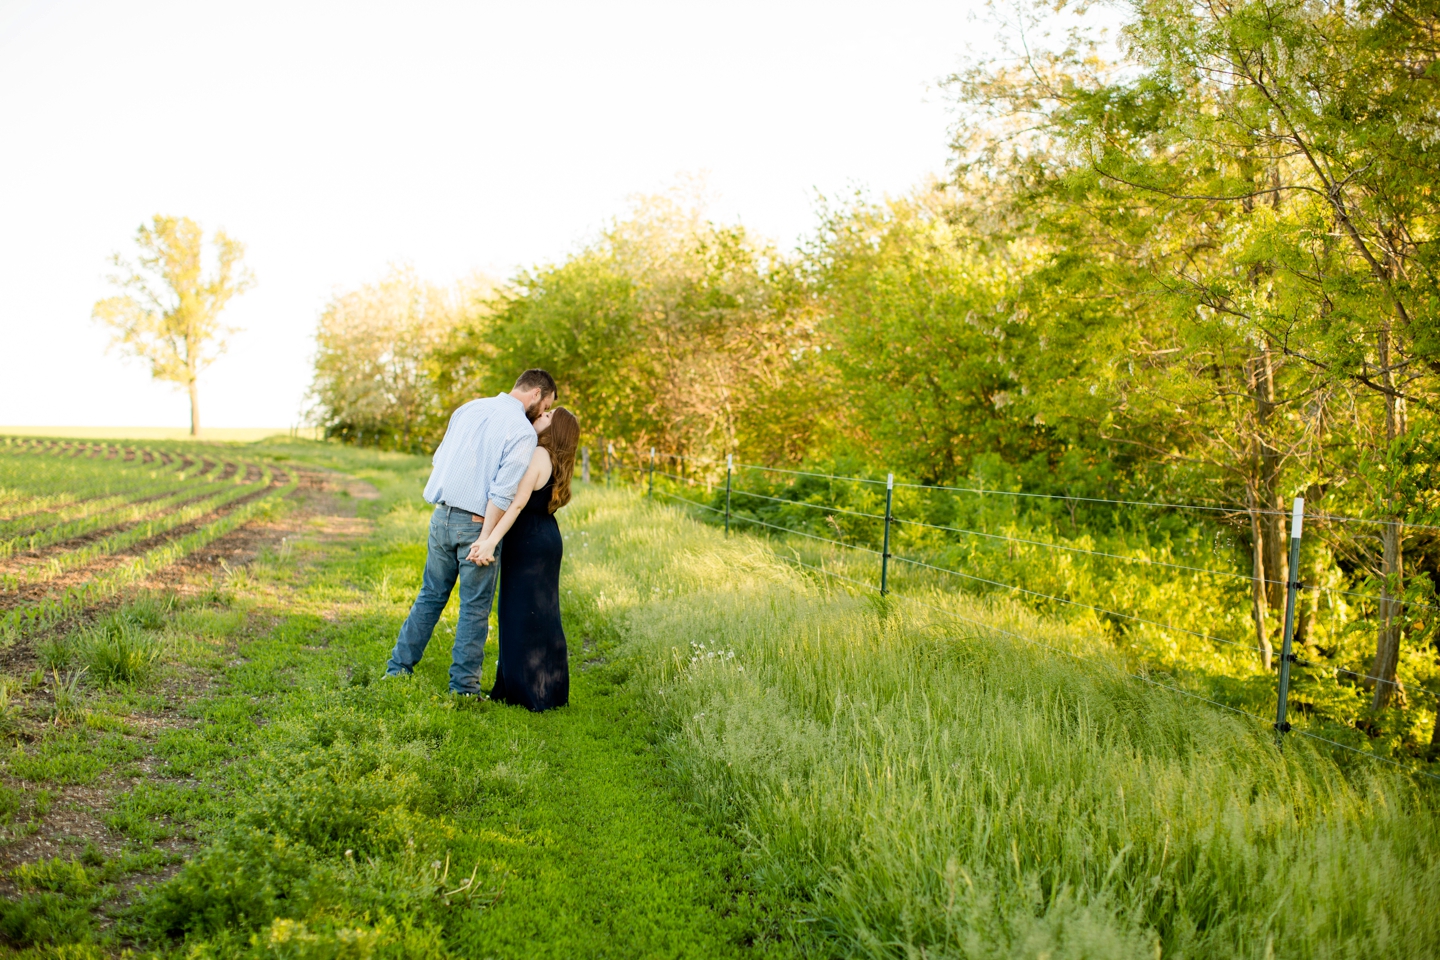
[[561, 441]]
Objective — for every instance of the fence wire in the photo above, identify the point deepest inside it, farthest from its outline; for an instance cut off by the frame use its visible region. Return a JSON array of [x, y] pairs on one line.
[[1236, 509], [813, 506]]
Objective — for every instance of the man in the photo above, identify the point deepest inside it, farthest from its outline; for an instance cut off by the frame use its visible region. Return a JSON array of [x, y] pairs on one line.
[[487, 447]]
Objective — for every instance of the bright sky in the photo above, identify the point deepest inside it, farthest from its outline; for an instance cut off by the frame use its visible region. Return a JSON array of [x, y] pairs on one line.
[[334, 139]]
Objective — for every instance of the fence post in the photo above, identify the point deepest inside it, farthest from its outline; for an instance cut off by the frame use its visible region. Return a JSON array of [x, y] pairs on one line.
[[1292, 587], [885, 548], [609, 455], [585, 464], [729, 466], [651, 491]]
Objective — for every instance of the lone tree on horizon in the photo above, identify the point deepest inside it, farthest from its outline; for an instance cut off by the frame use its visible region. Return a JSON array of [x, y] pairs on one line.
[[169, 312]]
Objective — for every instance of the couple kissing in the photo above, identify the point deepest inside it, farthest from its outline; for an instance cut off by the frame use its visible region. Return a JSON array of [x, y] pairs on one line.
[[501, 472]]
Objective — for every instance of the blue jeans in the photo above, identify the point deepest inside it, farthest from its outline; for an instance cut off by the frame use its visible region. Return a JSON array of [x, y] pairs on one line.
[[451, 534]]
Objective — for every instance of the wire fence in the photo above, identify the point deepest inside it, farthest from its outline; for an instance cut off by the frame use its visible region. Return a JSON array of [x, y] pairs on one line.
[[701, 478]]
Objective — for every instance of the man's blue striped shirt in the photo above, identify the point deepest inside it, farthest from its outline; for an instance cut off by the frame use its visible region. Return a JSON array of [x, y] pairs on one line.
[[486, 449]]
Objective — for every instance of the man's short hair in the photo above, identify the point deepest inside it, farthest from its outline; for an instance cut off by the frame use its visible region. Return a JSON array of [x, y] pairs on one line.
[[536, 377]]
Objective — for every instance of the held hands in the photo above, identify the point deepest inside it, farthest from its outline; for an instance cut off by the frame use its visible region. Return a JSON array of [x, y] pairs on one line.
[[482, 553]]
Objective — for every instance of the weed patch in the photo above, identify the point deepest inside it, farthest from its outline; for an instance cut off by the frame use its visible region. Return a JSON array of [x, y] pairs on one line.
[[119, 652]]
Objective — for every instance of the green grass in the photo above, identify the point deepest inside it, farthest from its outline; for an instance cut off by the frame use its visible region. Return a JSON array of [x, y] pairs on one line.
[[1171, 587], [940, 789], [753, 763]]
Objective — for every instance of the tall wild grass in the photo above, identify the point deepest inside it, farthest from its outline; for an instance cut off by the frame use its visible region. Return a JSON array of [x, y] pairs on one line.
[[942, 790]]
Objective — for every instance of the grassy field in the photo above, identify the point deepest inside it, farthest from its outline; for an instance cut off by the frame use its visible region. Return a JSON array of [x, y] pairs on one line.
[[1169, 587], [753, 763], [251, 787]]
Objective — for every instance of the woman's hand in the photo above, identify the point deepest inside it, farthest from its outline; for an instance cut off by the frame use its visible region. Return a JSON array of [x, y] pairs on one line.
[[482, 552]]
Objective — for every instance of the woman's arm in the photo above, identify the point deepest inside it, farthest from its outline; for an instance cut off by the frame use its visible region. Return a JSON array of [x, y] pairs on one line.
[[482, 551]]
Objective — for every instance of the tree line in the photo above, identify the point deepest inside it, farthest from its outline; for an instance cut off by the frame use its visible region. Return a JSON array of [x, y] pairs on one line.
[[1206, 270]]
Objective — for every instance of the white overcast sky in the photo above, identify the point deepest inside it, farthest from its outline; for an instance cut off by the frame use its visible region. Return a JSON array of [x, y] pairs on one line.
[[334, 139]]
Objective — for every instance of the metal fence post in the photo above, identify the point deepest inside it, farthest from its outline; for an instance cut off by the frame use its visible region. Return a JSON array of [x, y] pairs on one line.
[[885, 548], [651, 491], [585, 464], [729, 467], [1292, 587]]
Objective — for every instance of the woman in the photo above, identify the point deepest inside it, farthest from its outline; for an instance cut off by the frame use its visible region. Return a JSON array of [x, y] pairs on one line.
[[533, 667]]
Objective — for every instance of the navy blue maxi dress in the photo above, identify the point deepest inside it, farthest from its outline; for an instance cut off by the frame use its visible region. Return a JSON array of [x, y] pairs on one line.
[[533, 666]]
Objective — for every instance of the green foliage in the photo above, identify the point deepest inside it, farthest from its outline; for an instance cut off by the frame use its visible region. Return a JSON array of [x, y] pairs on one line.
[[330, 940], [924, 341], [375, 381], [54, 653], [10, 801]]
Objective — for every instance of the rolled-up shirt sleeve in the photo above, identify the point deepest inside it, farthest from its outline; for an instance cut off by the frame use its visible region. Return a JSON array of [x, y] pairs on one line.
[[513, 463]]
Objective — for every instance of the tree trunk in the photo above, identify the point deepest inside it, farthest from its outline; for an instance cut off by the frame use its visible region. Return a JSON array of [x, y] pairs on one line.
[[1387, 644], [1307, 604], [1435, 737], [194, 408], [1277, 560], [1392, 561], [1259, 606], [1264, 468]]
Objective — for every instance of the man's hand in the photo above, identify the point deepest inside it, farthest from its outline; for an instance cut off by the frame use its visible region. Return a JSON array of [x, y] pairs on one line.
[[482, 553]]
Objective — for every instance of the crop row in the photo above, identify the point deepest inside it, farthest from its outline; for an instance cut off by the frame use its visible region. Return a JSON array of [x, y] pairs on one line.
[[153, 485], [39, 487], [65, 497], [60, 449], [33, 485], [111, 515], [75, 599], [57, 565]]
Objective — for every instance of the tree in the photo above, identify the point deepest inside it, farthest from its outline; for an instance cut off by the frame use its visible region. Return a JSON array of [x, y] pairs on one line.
[[922, 338], [1266, 167], [668, 331], [377, 379], [169, 314]]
